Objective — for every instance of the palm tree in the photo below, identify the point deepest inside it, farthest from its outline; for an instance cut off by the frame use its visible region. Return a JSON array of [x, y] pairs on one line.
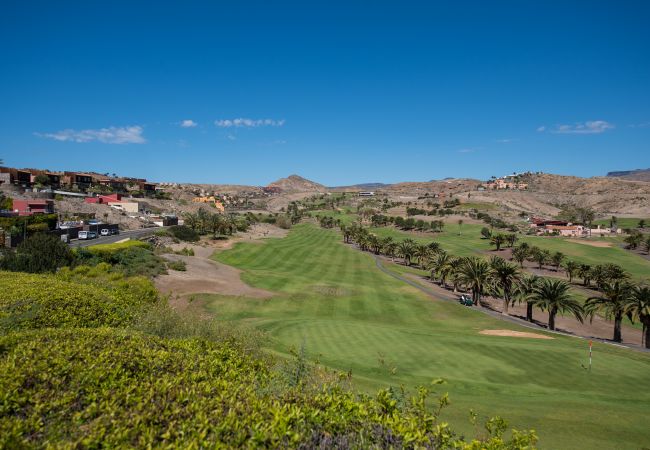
[[520, 254], [374, 243], [571, 268], [553, 295], [557, 259], [474, 274], [405, 249], [512, 239], [523, 293], [614, 303], [497, 240], [435, 247], [421, 252], [390, 248], [442, 267], [639, 308], [505, 275], [585, 273], [540, 256], [347, 233]]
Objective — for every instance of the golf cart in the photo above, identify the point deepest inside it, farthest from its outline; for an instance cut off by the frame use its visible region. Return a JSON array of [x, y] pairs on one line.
[[465, 300]]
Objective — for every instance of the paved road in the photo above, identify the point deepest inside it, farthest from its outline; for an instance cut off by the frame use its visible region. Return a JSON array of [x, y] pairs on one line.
[[492, 313], [131, 234]]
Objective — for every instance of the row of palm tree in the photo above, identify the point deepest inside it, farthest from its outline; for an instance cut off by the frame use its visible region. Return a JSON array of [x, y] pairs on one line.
[[203, 222], [503, 279]]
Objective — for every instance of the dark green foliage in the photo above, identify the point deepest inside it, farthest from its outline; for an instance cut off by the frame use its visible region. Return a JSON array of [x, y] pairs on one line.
[[39, 253], [131, 260], [184, 233]]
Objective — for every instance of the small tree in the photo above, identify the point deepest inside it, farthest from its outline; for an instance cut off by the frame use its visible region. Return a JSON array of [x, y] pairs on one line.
[[498, 240], [41, 252], [571, 268]]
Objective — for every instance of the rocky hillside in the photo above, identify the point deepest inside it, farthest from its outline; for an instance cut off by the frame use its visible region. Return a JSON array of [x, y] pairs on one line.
[[603, 194], [296, 183], [633, 175]]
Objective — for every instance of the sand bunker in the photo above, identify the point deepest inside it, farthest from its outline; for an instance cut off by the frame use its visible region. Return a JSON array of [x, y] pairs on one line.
[[591, 243], [517, 334]]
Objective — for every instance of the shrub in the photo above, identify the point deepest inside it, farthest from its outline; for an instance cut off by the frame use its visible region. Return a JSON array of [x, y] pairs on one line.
[[109, 388], [184, 233], [39, 253], [130, 258], [185, 251], [283, 221], [40, 301], [177, 265]]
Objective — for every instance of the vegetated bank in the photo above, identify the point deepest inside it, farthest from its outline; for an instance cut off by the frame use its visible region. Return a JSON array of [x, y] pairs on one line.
[[90, 356]]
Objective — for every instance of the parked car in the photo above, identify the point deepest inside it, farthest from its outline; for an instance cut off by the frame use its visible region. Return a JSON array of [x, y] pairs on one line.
[[87, 235], [115, 231], [105, 232]]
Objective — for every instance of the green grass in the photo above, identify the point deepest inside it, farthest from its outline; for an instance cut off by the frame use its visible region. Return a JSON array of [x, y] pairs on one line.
[[353, 317], [470, 243], [117, 246], [623, 222], [477, 205]]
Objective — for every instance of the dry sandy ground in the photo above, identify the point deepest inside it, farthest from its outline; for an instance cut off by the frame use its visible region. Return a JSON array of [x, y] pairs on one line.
[[591, 243], [516, 334], [206, 276]]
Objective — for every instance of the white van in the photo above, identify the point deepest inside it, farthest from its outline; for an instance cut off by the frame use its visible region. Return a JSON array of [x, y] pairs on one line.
[[83, 235], [105, 232]]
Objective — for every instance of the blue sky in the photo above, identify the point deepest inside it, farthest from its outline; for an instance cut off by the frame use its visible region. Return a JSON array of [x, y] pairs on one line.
[[339, 92]]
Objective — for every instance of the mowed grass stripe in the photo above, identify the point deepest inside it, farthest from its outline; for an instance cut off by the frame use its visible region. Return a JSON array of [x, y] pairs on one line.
[[350, 315]]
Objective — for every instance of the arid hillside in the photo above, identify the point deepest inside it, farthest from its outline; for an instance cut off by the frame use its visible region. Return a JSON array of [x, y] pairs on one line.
[[632, 175], [296, 183]]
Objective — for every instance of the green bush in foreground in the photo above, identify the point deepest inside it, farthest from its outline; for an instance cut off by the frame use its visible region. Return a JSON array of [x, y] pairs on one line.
[[39, 301], [92, 388]]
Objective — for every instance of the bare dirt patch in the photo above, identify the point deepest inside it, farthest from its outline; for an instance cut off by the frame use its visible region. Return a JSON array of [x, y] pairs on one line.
[[204, 275], [515, 334], [591, 243]]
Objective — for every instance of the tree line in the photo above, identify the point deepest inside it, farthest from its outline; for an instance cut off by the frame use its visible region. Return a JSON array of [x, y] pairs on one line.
[[617, 297]]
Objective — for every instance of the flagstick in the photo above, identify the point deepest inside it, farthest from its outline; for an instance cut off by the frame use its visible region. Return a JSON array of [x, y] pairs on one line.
[[589, 356]]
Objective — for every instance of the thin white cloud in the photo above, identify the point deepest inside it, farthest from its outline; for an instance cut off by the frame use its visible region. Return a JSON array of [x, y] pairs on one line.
[[110, 135], [640, 125], [589, 127], [188, 123], [505, 141], [232, 137], [467, 150], [248, 123], [541, 129]]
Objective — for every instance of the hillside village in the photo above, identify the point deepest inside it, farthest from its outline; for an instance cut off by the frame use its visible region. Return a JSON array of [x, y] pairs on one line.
[[88, 199]]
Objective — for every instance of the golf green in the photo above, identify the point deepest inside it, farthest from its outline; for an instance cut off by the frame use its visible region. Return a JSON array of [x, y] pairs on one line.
[[333, 300]]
